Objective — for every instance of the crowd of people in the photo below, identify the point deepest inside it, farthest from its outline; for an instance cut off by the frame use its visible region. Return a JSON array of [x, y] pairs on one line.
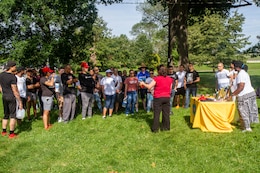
[[25, 88]]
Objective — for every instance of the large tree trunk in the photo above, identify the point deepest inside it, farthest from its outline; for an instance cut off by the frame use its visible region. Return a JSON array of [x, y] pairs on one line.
[[178, 14]]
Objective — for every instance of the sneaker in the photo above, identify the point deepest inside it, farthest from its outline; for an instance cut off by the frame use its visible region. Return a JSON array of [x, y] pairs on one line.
[[136, 110], [4, 133], [247, 130], [177, 107], [103, 116], [110, 115], [126, 115], [60, 120], [83, 118], [13, 135]]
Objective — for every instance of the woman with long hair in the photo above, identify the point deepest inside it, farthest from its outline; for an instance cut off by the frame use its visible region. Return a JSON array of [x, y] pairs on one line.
[[162, 92]]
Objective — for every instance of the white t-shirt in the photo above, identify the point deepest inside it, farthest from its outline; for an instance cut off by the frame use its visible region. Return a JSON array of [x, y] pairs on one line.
[[181, 76], [243, 77], [118, 81], [21, 85], [109, 85], [222, 78], [234, 84]]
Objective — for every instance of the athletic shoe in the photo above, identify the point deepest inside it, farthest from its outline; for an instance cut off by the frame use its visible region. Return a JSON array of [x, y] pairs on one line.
[[103, 116], [13, 135], [4, 133], [177, 107], [247, 130], [126, 115], [60, 120], [83, 118], [110, 115]]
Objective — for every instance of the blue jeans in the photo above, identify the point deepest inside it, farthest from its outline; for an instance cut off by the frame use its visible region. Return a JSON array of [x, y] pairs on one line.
[[131, 101], [171, 99], [149, 101], [98, 100], [193, 92], [110, 101]]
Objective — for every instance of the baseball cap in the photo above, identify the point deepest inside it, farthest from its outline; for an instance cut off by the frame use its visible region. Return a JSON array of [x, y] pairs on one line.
[[84, 64], [47, 69], [108, 71], [10, 64]]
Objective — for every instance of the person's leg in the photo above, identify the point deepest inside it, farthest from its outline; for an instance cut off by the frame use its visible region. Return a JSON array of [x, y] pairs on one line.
[[45, 118], [34, 109], [134, 97], [253, 110], [243, 111], [98, 100], [66, 107], [73, 106], [149, 102], [187, 97], [156, 115], [106, 107], [171, 100], [84, 100], [90, 104], [129, 103], [29, 103], [166, 114], [111, 107], [194, 92]]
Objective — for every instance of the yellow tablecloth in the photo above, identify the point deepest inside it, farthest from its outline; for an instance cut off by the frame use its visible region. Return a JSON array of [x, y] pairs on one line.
[[212, 116]]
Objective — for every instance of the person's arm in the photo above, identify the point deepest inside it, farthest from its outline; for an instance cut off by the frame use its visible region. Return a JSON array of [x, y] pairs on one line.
[[0, 89], [17, 95], [197, 80], [125, 92], [240, 87], [176, 84], [50, 83], [148, 86]]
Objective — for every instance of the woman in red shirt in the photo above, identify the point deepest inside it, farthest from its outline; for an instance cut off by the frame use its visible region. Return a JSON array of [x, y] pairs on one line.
[[162, 92]]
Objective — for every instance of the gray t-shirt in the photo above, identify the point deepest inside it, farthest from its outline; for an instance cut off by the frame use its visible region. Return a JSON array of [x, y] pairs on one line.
[[46, 91]]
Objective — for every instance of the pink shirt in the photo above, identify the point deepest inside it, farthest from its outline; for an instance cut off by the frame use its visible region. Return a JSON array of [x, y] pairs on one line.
[[162, 87], [132, 83]]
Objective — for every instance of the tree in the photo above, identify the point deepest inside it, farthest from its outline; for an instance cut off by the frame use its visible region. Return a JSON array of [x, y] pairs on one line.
[[152, 26], [55, 30], [178, 11]]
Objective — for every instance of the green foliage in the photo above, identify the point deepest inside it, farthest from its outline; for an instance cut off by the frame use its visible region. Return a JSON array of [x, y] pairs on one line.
[[216, 38], [47, 30]]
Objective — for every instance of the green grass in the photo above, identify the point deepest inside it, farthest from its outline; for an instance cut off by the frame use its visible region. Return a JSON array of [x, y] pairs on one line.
[[125, 144]]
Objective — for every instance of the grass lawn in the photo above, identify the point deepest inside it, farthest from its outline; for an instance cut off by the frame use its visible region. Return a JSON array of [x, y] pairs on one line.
[[126, 145]]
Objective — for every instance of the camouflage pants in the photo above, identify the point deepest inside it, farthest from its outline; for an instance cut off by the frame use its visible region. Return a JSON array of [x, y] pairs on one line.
[[247, 109]]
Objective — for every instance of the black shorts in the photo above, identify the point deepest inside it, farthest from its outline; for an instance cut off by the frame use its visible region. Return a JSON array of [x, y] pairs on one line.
[[119, 97], [24, 101], [9, 105], [143, 93], [180, 91]]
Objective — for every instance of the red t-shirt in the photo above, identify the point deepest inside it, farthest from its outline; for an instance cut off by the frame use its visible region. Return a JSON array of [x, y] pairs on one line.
[[162, 87], [132, 83]]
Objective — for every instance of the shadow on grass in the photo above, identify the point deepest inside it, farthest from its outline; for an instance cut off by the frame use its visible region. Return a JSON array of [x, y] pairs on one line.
[[143, 116], [187, 120], [24, 126]]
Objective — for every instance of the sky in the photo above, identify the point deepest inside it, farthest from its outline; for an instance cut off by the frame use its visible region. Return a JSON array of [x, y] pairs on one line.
[[121, 17]]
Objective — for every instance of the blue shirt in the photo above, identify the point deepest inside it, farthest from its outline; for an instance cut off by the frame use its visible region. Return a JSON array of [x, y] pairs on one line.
[[142, 76]]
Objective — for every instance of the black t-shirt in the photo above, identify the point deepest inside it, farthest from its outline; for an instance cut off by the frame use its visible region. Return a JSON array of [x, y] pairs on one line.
[[68, 89], [174, 77], [87, 83], [46, 91], [190, 77], [32, 81], [6, 80]]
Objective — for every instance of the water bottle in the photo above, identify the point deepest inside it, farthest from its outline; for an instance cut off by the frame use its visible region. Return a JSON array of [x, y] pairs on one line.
[[124, 102]]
